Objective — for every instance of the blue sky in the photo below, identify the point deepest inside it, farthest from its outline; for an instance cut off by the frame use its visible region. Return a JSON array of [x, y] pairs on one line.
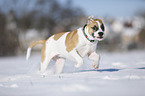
[[116, 8]]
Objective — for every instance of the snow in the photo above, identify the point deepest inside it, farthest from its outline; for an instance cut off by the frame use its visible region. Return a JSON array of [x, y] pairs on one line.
[[120, 74]]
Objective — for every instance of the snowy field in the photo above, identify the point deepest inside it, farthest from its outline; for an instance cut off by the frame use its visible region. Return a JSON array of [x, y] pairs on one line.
[[120, 74]]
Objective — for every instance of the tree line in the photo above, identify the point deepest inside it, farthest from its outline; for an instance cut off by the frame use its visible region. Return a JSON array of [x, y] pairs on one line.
[[16, 15]]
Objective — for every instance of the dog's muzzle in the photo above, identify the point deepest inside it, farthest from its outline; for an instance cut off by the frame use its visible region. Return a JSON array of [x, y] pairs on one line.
[[100, 36]]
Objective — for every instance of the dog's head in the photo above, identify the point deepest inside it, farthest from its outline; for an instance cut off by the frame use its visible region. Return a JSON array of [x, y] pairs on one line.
[[96, 28]]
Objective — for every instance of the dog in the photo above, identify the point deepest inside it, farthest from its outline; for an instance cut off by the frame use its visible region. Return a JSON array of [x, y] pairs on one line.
[[71, 45]]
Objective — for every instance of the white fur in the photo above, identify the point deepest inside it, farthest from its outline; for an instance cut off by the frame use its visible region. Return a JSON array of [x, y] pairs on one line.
[[58, 48], [95, 57], [87, 33], [59, 65]]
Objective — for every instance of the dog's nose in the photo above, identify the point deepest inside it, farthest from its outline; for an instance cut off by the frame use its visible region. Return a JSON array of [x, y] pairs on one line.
[[101, 34]]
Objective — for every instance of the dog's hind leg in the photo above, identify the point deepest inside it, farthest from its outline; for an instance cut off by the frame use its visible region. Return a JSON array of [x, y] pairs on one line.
[[59, 65], [44, 65], [46, 56]]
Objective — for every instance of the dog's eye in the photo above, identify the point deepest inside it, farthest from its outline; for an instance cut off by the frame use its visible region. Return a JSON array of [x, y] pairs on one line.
[[95, 28], [102, 27]]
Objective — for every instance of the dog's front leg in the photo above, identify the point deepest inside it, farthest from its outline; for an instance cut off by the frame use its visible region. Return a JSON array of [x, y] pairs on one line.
[[77, 57], [96, 59]]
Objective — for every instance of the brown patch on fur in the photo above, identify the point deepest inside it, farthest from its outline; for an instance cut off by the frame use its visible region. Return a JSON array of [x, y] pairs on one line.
[[100, 21], [92, 23], [71, 40], [90, 30], [58, 35], [43, 52]]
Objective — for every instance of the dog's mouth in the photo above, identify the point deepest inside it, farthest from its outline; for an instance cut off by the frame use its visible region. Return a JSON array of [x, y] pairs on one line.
[[100, 38]]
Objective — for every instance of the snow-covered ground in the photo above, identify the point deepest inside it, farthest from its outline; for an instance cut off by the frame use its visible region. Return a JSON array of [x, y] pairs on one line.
[[120, 74]]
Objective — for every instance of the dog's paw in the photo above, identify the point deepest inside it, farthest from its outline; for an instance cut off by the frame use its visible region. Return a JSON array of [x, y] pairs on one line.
[[77, 65], [95, 66]]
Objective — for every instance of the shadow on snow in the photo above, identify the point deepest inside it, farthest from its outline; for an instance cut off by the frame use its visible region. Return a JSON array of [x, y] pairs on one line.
[[141, 68], [102, 70], [106, 70]]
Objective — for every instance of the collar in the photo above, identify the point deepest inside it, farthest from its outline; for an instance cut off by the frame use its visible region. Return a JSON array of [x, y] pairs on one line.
[[86, 34]]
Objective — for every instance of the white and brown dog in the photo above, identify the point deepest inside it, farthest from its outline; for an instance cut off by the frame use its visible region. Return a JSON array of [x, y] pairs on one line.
[[72, 45]]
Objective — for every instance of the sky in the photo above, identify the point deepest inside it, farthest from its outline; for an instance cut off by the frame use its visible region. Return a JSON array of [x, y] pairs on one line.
[[115, 8]]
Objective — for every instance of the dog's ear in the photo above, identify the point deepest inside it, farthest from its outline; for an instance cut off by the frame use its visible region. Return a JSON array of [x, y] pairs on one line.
[[98, 20], [90, 19]]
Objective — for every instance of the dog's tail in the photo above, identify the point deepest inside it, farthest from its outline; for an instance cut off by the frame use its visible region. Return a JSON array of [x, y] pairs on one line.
[[32, 45]]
